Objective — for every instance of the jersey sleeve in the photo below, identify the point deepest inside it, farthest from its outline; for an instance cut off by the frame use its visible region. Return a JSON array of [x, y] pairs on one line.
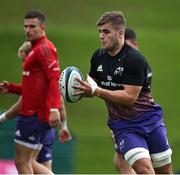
[[48, 60], [134, 74], [92, 71], [92, 68], [14, 88]]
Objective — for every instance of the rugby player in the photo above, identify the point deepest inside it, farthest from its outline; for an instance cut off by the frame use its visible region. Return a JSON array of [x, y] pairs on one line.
[[118, 75]]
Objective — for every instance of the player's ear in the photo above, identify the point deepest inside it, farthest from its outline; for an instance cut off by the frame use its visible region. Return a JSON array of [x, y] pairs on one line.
[[120, 33], [43, 26]]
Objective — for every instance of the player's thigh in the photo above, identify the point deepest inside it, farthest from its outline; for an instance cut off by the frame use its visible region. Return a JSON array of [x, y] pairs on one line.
[[135, 149], [159, 149], [131, 144], [30, 131], [157, 140], [23, 153], [48, 164]]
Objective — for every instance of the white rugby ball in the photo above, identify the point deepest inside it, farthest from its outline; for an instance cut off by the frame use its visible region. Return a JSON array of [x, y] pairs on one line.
[[67, 80]]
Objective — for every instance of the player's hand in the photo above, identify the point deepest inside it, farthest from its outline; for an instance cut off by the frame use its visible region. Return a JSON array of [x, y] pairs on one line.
[[86, 88], [24, 49], [4, 87], [92, 83], [64, 135], [3, 117], [54, 119]]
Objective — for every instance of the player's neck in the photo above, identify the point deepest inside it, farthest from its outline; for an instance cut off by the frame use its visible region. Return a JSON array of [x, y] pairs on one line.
[[116, 49]]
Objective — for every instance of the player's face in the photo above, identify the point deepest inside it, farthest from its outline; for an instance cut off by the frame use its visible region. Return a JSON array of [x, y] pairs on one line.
[[33, 28], [109, 37]]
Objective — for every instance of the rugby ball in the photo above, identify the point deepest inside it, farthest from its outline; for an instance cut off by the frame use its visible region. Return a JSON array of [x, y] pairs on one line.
[[67, 80]]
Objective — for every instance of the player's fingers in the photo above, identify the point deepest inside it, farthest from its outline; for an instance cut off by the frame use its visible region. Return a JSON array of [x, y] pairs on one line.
[[78, 93], [80, 87], [83, 83], [2, 84], [5, 82], [64, 136]]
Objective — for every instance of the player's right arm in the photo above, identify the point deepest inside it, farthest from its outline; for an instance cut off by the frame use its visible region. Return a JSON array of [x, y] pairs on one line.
[[6, 87], [132, 82], [12, 112]]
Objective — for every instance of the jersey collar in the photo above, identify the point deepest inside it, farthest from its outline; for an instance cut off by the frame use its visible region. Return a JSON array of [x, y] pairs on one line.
[[38, 40]]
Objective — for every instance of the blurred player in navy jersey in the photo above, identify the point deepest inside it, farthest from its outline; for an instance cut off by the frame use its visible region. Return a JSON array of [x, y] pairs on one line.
[[118, 75], [41, 100]]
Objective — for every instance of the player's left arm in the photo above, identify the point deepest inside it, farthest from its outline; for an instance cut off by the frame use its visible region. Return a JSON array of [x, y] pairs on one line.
[[7, 87], [64, 134]]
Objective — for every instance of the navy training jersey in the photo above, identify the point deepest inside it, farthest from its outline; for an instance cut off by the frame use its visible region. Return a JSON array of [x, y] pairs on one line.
[[128, 67]]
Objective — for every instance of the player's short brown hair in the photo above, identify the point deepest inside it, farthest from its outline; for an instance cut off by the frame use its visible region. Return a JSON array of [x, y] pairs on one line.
[[116, 18], [35, 14]]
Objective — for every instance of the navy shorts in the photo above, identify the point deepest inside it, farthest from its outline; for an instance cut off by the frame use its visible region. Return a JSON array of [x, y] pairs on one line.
[[46, 152], [31, 132], [147, 131], [155, 141]]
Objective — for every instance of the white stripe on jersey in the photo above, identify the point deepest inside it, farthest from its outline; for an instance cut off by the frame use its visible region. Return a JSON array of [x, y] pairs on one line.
[[54, 62]]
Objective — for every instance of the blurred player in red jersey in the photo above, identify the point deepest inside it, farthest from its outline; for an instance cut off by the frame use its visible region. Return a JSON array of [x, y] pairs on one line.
[[40, 95], [45, 155]]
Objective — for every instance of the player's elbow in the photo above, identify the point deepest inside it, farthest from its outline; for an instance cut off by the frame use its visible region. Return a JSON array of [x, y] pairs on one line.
[[130, 101]]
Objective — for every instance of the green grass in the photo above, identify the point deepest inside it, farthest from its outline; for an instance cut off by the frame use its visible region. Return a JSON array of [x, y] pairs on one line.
[[71, 26]]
